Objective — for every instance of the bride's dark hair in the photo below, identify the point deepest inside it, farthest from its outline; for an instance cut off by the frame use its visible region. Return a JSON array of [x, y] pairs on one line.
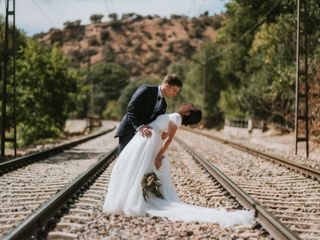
[[193, 117]]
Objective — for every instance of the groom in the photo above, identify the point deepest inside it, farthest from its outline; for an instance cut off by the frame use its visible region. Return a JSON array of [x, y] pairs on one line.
[[146, 104]]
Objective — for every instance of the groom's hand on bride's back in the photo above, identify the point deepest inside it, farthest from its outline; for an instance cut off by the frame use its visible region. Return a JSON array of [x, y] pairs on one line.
[[146, 131]]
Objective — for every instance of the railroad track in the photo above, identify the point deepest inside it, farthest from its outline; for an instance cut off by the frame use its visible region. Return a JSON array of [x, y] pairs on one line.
[[85, 219], [85, 214], [13, 164], [305, 170], [25, 190], [289, 191]]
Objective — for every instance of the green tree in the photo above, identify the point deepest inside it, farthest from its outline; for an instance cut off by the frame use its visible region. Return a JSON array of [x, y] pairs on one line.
[[112, 111], [258, 58], [230, 104], [20, 38], [104, 35], [45, 93], [72, 24], [21, 42], [113, 16], [203, 83], [108, 79], [127, 16], [96, 18], [271, 86]]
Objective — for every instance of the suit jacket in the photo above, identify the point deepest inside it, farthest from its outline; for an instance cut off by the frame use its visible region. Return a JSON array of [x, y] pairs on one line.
[[140, 110]]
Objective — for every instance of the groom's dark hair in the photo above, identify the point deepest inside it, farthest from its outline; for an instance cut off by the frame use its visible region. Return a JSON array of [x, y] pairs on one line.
[[173, 80]]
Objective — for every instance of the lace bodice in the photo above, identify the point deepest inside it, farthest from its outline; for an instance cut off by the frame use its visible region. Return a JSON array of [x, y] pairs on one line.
[[162, 122]]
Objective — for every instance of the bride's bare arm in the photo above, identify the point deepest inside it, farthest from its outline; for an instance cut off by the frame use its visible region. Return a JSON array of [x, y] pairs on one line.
[[172, 129]]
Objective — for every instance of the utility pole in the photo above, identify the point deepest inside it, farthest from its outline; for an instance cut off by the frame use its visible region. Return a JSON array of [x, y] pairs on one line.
[[302, 88], [204, 82], [91, 112], [6, 97]]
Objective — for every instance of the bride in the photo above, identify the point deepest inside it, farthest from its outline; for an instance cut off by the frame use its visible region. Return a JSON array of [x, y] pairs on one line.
[[143, 155]]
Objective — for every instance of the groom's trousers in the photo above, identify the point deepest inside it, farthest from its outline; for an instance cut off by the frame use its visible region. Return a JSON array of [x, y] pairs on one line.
[[124, 140]]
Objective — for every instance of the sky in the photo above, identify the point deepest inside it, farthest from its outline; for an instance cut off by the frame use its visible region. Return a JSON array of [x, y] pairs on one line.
[[35, 16]]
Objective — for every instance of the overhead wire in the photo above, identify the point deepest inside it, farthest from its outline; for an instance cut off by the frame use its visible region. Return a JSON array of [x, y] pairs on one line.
[[201, 6], [54, 6], [107, 7], [257, 24], [231, 46], [43, 13], [191, 7], [59, 7], [112, 5]]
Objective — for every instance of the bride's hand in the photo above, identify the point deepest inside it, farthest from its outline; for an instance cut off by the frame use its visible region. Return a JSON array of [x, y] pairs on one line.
[[164, 135], [158, 161]]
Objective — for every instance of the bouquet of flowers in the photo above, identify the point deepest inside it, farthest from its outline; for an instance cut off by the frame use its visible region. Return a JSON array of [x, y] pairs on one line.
[[151, 183]]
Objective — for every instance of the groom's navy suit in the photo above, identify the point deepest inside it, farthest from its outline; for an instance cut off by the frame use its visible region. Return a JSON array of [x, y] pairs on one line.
[[141, 110]]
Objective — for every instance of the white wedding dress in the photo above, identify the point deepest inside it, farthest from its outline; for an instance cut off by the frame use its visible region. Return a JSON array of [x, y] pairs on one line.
[[124, 195]]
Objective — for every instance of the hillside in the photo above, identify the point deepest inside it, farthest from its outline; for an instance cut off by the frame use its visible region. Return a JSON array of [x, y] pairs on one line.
[[143, 45]]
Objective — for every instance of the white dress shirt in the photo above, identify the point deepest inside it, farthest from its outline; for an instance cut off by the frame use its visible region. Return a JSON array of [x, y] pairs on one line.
[[159, 98]]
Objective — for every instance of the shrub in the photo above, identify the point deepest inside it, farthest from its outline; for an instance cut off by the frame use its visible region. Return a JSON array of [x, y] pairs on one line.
[[104, 35], [197, 31], [93, 41], [147, 34], [112, 111], [72, 24], [116, 25], [113, 17], [159, 44], [152, 59], [170, 47], [47, 92], [96, 18], [175, 16]]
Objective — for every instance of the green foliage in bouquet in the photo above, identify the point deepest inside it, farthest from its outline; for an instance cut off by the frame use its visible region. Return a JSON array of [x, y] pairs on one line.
[[151, 183]]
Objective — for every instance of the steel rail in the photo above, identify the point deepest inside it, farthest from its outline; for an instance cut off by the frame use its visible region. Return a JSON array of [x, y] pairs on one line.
[[15, 163], [313, 173], [38, 220], [269, 222]]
